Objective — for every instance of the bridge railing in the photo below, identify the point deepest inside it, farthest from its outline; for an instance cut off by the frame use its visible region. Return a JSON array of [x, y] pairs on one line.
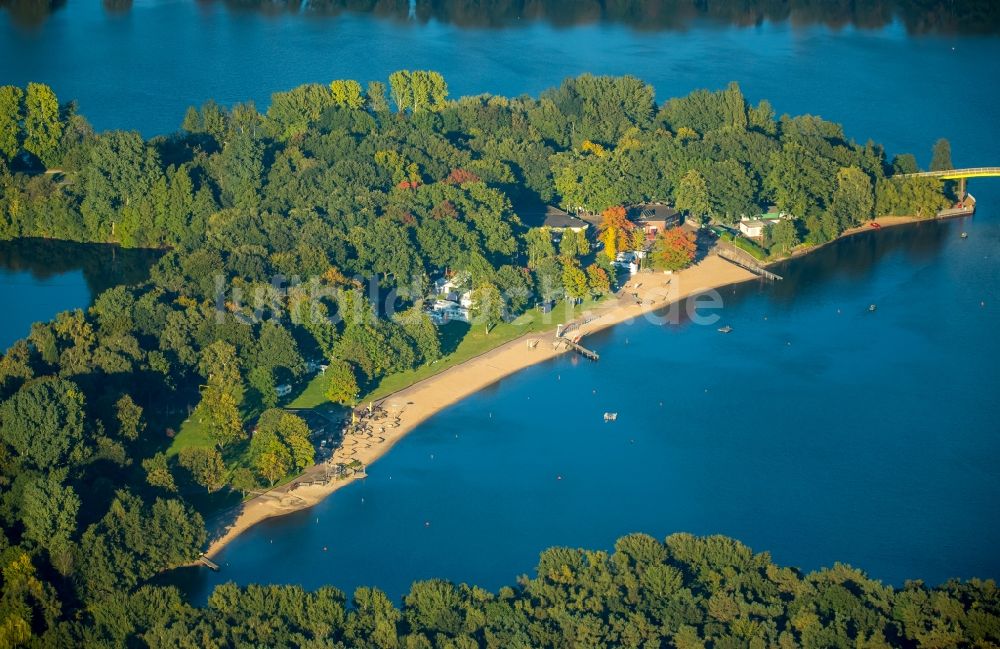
[[967, 171]]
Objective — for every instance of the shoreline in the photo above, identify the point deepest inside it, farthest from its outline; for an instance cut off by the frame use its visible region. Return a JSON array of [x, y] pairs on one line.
[[418, 402]]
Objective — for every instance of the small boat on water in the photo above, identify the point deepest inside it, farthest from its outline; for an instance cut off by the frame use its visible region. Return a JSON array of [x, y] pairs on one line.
[[725, 330], [965, 235], [872, 307], [610, 416]]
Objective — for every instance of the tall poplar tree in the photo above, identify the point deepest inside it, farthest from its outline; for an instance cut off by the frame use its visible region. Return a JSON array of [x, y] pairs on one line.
[[11, 116], [42, 126]]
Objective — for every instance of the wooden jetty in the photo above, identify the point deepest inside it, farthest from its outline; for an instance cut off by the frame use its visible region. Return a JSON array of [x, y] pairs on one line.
[[753, 267], [578, 348], [208, 562]]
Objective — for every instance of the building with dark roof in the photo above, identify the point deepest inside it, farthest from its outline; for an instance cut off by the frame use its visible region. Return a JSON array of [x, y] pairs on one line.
[[558, 220], [654, 217]]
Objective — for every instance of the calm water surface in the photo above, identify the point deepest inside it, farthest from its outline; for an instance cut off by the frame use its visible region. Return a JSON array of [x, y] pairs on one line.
[[39, 278], [816, 430]]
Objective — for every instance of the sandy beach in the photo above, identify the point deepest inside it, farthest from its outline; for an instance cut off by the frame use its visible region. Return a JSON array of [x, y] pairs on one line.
[[414, 404]]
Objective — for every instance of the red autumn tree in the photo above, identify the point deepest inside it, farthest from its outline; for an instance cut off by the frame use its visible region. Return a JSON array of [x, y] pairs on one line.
[[674, 249], [459, 176]]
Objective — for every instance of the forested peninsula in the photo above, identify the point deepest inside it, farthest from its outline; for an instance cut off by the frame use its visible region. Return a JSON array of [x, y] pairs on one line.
[[124, 425]]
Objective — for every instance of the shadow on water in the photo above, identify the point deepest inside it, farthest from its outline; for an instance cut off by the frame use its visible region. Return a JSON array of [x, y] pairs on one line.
[[855, 257], [934, 16], [103, 266], [852, 258]]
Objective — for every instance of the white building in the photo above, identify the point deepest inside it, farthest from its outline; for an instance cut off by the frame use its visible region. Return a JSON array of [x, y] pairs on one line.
[[449, 288], [754, 227], [444, 311]]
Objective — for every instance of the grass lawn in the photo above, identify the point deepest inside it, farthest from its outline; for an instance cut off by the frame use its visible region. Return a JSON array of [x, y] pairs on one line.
[[193, 433], [312, 396]]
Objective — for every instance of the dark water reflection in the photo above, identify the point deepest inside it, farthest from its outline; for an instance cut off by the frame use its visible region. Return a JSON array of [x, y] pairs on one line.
[[936, 16], [39, 278]]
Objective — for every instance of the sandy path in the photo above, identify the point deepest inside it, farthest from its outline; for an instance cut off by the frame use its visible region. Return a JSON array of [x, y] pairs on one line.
[[416, 403]]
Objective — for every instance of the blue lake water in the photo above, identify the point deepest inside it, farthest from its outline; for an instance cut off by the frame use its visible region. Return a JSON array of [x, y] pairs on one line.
[[40, 278], [816, 430], [29, 298]]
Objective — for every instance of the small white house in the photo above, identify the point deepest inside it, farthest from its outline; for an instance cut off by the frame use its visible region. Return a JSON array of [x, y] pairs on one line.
[[449, 288], [755, 227]]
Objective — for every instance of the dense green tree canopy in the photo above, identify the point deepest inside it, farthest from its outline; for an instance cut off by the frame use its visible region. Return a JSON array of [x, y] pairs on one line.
[[684, 592], [43, 424]]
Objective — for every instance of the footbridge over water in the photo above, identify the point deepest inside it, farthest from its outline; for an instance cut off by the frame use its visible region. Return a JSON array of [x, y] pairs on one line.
[[961, 175], [956, 174]]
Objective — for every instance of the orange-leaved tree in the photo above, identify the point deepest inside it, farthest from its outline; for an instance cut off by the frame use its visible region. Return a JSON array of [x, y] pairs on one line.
[[615, 231], [674, 249]]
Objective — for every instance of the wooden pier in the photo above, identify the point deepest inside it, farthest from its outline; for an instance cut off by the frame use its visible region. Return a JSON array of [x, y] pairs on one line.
[[753, 267], [208, 562], [578, 348]]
